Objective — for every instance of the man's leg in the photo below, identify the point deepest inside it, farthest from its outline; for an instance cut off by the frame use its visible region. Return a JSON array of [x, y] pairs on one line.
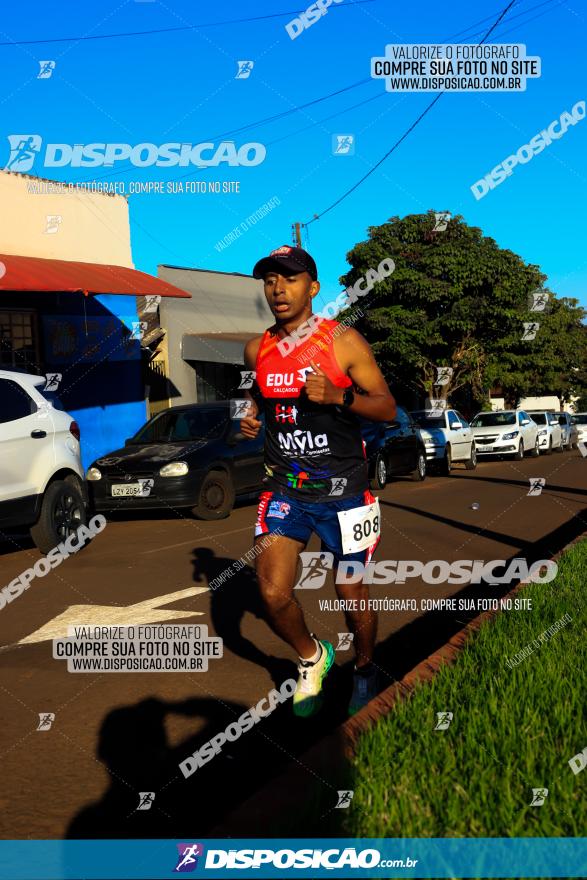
[[363, 624], [276, 572]]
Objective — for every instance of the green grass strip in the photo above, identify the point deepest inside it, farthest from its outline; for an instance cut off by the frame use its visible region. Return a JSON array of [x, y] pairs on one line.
[[514, 728]]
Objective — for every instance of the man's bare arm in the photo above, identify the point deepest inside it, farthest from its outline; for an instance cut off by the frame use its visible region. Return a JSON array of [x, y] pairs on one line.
[[355, 358], [250, 426]]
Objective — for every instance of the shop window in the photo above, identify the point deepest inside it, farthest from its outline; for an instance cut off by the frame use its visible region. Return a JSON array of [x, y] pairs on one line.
[[19, 341]]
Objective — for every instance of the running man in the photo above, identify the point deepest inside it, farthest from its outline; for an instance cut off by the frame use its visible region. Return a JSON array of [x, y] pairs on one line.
[[315, 464]]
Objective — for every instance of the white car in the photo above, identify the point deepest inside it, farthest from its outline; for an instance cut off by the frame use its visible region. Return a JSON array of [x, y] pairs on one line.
[[447, 437], [508, 432], [550, 434], [41, 476], [580, 421]]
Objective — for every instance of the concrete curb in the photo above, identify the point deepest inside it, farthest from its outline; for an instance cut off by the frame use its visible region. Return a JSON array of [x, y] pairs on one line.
[[285, 793]]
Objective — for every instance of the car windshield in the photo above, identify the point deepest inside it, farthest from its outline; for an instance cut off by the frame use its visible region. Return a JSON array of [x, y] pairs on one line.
[[493, 419], [539, 418], [424, 420], [204, 424], [580, 419]]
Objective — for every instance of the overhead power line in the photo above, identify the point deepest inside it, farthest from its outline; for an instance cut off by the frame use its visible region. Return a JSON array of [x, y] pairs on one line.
[[187, 27], [405, 134]]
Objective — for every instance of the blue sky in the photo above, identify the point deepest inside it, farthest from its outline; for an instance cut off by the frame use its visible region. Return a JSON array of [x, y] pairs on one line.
[[181, 86]]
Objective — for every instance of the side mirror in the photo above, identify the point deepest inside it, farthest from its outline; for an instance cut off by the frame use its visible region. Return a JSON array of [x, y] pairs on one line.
[[525, 422], [456, 426]]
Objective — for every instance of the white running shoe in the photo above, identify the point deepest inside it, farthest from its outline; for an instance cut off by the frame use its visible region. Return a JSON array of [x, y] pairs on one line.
[[307, 699]]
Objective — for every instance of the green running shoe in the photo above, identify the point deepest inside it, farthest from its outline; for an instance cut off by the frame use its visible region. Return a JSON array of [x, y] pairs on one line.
[[307, 699]]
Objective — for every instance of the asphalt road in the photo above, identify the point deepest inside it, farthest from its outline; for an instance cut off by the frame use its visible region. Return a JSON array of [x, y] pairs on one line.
[[117, 734]]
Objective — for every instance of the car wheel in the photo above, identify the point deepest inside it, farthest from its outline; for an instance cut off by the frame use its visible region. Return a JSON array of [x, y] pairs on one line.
[[446, 463], [379, 479], [548, 450], [216, 498], [62, 512], [471, 462], [536, 451], [419, 472], [519, 453]]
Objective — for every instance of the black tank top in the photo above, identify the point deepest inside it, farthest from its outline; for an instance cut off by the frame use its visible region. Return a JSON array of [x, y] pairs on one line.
[[313, 451]]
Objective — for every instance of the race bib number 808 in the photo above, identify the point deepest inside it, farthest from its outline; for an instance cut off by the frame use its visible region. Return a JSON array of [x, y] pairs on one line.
[[359, 527]]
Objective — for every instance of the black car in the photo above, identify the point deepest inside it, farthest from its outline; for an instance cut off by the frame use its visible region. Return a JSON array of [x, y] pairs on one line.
[[394, 449], [185, 457]]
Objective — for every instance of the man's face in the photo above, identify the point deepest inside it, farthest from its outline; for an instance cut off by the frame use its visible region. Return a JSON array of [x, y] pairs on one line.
[[290, 296]]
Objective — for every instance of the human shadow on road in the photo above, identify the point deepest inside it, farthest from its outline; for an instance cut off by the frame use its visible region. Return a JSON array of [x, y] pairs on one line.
[[230, 601]]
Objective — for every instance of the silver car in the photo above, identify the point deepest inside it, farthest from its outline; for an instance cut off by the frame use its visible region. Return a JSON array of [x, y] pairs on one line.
[[550, 435]]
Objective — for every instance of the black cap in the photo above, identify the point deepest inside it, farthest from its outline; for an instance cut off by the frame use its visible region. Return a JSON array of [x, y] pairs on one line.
[[293, 259]]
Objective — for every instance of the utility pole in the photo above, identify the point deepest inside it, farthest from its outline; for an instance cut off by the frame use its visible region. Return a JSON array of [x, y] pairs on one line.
[[296, 234]]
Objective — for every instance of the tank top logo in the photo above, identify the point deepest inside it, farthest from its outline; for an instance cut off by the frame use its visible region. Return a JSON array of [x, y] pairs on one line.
[[303, 442]]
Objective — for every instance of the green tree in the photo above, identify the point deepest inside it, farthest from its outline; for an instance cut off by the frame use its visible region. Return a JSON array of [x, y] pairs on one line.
[[456, 299]]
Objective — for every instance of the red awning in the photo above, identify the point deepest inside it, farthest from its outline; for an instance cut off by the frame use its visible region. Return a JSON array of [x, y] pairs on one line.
[[38, 275]]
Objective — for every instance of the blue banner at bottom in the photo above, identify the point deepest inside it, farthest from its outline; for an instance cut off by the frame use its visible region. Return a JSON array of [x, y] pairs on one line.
[[311, 858]]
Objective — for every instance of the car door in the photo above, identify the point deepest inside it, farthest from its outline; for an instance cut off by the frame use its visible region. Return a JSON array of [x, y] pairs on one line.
[[467, 435], [404, 442], [23, 442], [557, 431], [528, 431], [393, 445], [456, 436]]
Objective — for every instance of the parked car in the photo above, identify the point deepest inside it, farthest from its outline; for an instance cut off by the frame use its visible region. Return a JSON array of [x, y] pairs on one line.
[[187, 457], [550, 434], [41, 476], [580, 421], [394, 449], [447, 437], [569, 429], [508, 432]]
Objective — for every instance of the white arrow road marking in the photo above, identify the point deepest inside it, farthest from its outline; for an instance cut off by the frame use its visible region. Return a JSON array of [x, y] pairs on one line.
[[114, 615]]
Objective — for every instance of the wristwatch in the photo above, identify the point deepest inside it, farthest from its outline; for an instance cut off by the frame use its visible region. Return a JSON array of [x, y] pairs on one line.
[[348, 397]]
